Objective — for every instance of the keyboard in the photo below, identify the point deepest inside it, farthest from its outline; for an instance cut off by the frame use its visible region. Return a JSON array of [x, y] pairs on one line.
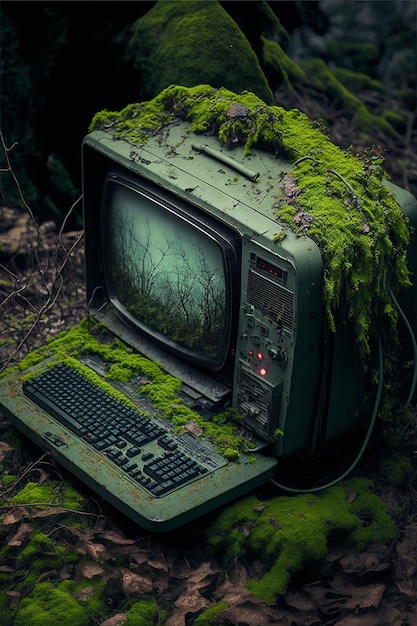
[[143, 447]]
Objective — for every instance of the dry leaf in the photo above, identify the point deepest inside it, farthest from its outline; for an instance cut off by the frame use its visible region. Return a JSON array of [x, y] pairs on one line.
[[4, 447], [135, 584], [139, 555], [84, 594], [15, 597], [250, 616], [203, 575], [96, 551], [116, 620], [187, 603], [90, 570], [53, 510], [366, 597], [23, 534], [117, 538], [43, 476], [375, 560], [17, 514]]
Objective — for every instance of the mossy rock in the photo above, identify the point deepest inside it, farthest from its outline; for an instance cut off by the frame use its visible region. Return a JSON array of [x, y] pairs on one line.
[[192, 41], [287, 534], [322, 79], [356, 81], [360, 55]]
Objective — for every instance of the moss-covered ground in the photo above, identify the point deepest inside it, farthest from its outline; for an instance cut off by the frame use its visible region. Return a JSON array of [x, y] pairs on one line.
[[64, 561], [291, 533]]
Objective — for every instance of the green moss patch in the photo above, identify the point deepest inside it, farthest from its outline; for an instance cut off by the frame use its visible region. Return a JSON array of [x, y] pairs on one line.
[[209, 616], [124, 365], [331, 195], [64, 604], [291, 533], [327, 81], [278, 62], [144, 613], [48, 494]]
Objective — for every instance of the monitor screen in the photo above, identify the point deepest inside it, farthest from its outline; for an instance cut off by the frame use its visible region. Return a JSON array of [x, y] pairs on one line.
[[170, 271]]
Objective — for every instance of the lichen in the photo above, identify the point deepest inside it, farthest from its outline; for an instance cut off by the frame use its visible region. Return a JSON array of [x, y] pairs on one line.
[[293, 532], [341, 202]]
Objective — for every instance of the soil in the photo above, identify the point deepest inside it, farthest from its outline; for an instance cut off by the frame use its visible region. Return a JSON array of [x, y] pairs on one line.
[[42, 291]]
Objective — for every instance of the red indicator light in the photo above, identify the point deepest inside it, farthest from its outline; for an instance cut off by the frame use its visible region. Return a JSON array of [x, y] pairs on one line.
[[259, 356], [262, 371], [250, 352]]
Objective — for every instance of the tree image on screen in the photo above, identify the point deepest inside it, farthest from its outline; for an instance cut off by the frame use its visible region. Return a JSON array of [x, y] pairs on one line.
[[166, 273]]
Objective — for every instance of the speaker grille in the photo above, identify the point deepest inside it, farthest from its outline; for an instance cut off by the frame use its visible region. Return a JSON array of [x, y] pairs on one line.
[[274, 302]]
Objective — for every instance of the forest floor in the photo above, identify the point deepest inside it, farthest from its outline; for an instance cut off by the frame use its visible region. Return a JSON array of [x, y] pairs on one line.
[[42, 292]]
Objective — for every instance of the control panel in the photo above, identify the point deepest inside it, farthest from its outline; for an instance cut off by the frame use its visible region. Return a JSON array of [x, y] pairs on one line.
[[264, 345]]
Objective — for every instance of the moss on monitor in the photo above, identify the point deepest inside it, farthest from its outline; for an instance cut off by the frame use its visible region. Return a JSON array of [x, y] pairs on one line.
[[331, 195], [123, 365], [291, 533]]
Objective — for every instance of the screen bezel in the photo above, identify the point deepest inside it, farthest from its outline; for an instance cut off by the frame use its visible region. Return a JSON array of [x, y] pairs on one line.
[[227, 239]]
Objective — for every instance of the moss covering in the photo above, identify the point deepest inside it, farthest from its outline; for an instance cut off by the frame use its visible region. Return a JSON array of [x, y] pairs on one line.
[[42, 555], [89, 337], [333, 196], [8, 479], [209, 616], [178, 41], [280, 66], [399, 469], [356, 81], [144, 613], [49, 605], [293, 532], [324, 80], [360, 54], [49, 493]]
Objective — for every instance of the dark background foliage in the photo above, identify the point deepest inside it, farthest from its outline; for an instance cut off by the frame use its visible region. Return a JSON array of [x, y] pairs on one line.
[[64, 61]]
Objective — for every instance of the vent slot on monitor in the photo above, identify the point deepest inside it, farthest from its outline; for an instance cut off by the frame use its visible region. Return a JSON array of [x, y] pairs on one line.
[[274, 302]]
